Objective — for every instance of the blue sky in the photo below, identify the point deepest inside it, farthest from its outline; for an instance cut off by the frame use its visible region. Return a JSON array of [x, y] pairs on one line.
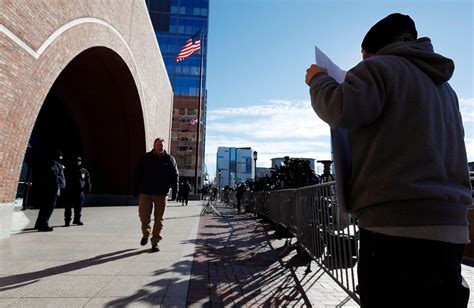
[[259, 51]]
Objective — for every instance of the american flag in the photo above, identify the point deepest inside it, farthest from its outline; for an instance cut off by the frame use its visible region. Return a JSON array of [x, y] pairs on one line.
[[191, 46]]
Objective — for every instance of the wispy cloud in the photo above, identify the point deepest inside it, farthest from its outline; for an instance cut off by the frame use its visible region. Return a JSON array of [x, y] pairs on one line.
[[470, 150], [274, 129], [466, 105]]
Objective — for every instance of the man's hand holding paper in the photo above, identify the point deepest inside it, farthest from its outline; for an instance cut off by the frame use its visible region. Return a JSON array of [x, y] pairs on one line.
[[313, 70]]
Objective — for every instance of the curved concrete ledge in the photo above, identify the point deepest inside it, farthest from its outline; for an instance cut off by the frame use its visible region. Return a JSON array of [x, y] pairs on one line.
[[6, 214]]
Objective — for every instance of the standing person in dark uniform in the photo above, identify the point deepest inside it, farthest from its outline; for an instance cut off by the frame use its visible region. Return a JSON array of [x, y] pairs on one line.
[[155, 174], [79, 183], [50, 184], [185, 189]]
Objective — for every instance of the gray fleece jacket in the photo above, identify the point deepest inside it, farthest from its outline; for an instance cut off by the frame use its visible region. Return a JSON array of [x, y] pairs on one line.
[[406, 138]]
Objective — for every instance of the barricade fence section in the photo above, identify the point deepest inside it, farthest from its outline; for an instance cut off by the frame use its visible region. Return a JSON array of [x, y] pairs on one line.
[[322, 230]]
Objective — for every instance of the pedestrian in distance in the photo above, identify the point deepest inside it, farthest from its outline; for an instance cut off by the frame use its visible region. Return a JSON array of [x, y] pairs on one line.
[[180, 192], [409, 184], [214, 191], [155, 174], [204, 193], [185, 190], [240, 193], [79, 184], [50, 183]]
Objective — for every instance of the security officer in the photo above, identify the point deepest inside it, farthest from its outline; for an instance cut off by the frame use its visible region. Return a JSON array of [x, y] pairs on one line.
[[51, 182], [79, 183]]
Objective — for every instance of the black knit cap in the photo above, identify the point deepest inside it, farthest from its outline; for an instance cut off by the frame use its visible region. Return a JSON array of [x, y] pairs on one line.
[[389, 30]]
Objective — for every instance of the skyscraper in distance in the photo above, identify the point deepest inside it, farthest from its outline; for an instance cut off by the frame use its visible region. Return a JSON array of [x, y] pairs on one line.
[[181, 28], [236, 165]]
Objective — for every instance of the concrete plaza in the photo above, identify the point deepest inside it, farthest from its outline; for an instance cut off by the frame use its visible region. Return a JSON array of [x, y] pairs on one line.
[[204, 261]]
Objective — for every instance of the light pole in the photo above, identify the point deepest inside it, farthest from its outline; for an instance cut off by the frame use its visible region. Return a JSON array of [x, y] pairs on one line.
[[255, 165]]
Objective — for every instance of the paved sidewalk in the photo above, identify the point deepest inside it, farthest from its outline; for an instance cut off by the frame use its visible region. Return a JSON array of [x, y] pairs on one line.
[[204, 261], [240, 263], [100, 264]]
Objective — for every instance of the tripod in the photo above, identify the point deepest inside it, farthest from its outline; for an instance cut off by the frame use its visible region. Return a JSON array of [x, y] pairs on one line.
[[208, 208]]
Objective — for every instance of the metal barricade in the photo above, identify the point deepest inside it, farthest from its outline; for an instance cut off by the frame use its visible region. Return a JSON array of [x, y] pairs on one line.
[[259, 201], [322, 229], [233, 198], [328, 234]]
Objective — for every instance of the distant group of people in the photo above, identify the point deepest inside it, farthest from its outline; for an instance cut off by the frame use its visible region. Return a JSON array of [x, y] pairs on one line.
[[54, 181]]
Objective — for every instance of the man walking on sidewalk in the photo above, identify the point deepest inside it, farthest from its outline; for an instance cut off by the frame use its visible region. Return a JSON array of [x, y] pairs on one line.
[[409, 184], [155, 174]]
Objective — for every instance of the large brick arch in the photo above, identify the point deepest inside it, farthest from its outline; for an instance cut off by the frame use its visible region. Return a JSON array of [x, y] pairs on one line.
[[96, 98], [102, 64]]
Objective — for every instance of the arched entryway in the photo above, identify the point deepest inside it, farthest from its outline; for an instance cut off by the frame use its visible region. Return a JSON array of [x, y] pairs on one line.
[[93, 110]]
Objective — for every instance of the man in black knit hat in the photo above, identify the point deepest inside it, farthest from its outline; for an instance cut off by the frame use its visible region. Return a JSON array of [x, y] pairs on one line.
[[409, 184]]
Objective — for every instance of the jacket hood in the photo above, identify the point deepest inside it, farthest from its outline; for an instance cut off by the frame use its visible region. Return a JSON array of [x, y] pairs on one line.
[[420, 52]]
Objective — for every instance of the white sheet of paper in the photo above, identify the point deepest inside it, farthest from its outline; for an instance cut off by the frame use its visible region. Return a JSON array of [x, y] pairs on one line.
[[333, 70], [339, 136]]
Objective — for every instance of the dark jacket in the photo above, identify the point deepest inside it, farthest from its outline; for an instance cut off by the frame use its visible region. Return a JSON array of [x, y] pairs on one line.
[[409, 164], [55, 178], [185, 189], [78, 180], [156, 174]]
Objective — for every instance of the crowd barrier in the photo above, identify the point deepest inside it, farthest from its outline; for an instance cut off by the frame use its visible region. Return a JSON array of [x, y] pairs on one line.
[[311, 215]]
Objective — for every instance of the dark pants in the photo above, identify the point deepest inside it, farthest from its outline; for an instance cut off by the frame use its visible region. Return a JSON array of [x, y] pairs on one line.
[[48, 203], [75, 201], [406, 272], [239, 202], [184, 198]]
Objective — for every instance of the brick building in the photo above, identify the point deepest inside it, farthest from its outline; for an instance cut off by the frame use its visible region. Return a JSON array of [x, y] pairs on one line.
[[86, 77]]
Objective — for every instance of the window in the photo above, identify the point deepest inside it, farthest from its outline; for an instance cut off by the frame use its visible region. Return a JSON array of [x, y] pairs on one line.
[[200, 11], [185, 148], [194, 70]]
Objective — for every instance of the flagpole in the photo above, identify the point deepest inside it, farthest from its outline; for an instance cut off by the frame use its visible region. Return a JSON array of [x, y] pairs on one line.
[[196, 163]]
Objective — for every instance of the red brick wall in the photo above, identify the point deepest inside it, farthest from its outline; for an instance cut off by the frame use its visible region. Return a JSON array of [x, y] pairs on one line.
[[40, 38]]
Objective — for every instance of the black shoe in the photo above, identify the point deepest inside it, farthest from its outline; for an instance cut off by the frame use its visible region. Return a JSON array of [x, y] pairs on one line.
[[67, 224], [144, 241], [45, 229], [79, 223], [154, 248]]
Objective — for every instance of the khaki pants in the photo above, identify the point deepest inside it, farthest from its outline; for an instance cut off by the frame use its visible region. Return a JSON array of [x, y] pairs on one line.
[[145, 208]]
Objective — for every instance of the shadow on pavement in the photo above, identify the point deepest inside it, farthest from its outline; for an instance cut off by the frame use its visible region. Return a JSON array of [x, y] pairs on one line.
[[16, 281], [236, 265]]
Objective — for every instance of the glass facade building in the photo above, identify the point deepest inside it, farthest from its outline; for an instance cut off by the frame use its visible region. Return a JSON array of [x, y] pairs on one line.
[[236, 165], [175, 22]]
